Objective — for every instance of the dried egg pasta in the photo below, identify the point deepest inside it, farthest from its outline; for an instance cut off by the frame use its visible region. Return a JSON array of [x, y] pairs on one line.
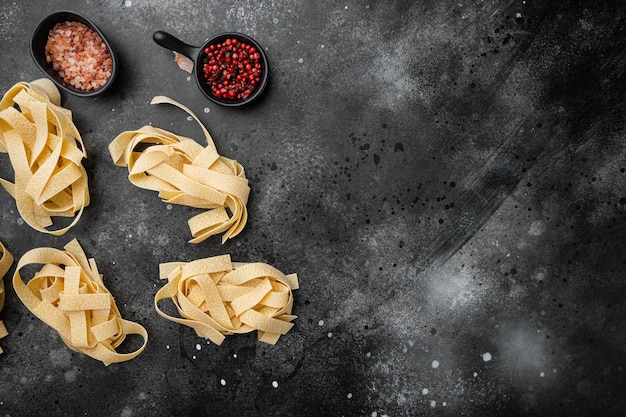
[[45, 150], [184, 172], [6, 260], [68, 294], [217, 297]]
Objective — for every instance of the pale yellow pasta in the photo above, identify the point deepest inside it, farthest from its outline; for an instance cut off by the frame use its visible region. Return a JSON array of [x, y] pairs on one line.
[[184, 172], [45, 150], [217, 297], [6, 260], [69, 295]]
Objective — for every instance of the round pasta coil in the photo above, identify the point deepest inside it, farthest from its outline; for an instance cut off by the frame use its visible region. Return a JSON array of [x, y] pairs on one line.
[[217, 298], [184, 172], [6, 260], [68, 294], [46, 152]]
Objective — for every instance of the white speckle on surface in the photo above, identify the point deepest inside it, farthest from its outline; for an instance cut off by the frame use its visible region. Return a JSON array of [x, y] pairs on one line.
[[143, 396], [169, 207], [475, 374], [275, 20], [540, 274], [487, 356], [112, 109], [435, 364], [70, 376], [193, 357], [374, 413], [542, 374], [330, 334], [300, 60], [198, 347], [320, 323], [189, 118], [404, 350], [20, 221], [349, 395], [188, 78], [346, 7], [206, 109], [433, 404], [322, 46], [127, 412], [444, 404], [425, 391], [60, 357], [275, 384], [235, 355], [518, 15], [128, 3], [536, 228], [223, 382], [167, 347], [368, 354]]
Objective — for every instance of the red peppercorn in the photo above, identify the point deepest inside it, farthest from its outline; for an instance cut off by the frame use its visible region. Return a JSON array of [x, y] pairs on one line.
[[232, 68]]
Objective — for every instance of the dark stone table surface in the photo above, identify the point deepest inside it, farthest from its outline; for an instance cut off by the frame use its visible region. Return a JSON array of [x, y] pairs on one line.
[[447, 179]]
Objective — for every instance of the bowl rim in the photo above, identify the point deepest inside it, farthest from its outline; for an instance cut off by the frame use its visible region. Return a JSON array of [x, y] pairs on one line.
[[228, 102], [45, 25]]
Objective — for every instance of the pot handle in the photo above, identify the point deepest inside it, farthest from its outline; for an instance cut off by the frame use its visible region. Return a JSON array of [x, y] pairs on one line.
[[172, 43]]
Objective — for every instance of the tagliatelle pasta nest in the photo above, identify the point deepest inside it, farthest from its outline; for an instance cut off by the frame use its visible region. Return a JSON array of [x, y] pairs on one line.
[[6, 260], [217, 297], [69, 295], [184, 172], [46, 153]]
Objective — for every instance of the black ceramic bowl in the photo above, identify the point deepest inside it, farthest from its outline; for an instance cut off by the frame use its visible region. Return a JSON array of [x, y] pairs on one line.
[[197, 55], [38, 46]]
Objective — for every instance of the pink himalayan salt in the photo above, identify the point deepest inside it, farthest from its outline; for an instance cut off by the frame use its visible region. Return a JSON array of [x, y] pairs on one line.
[[79, 55]]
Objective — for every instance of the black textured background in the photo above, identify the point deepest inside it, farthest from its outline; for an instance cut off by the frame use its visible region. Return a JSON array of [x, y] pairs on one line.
[[447, 178]]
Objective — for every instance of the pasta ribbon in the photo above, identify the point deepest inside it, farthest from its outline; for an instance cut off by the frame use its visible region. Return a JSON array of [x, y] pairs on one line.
[[184, 172], [6, 260], [217, 297], [68, 294], [45, 150]]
